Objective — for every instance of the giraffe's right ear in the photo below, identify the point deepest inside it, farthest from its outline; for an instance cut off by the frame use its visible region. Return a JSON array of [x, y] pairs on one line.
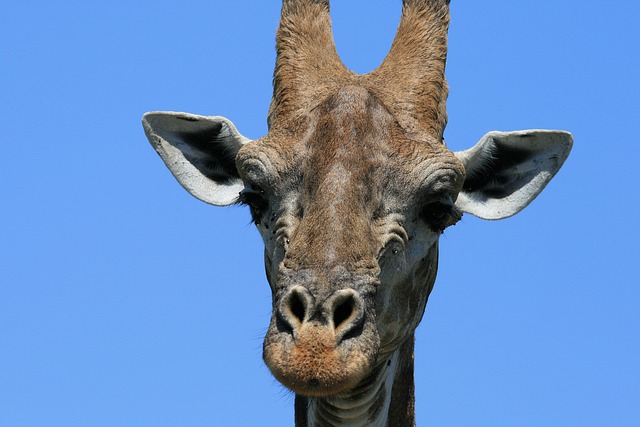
[[200, 152]]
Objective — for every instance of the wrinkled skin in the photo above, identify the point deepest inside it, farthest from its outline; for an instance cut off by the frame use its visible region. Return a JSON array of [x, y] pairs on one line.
[[350, 217]]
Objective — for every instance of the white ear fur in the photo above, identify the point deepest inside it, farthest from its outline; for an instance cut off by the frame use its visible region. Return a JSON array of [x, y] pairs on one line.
[[507, 170], [200, 152]]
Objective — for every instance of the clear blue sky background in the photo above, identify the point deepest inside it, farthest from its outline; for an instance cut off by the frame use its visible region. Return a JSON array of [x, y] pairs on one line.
[[124, 301]]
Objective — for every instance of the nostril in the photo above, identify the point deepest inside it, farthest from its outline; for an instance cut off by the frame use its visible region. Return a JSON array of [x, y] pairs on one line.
[[347, 314], [343, 311], [297, 307]]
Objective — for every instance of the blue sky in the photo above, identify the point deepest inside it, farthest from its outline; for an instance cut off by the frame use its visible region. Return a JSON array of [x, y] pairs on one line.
[[124, 301]]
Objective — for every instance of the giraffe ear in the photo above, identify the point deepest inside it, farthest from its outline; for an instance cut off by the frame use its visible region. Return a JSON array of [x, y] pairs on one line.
[[507, 170], [200, 152]]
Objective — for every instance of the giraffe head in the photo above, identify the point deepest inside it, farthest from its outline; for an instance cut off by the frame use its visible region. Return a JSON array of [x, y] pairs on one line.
[[351, 189]]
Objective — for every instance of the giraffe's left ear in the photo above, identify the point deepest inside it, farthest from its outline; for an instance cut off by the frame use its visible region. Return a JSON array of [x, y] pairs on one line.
[[507, 170]]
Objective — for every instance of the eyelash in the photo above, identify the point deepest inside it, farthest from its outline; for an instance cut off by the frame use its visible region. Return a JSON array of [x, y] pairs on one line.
[[254, 198], [440, 216]]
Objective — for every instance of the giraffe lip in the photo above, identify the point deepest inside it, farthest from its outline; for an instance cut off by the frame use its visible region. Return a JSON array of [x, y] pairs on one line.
[[314, 388], [313, 371], [315, 364]]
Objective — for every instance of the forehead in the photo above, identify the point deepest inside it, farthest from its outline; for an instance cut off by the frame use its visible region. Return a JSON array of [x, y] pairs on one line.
[[349, 137]]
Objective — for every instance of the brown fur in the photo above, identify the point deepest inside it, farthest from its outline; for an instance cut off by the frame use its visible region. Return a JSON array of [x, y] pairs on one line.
[[308, 68], [358, 153]]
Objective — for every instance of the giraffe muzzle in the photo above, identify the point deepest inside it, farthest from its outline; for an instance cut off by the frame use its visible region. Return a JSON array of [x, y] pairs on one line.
[[319, 346]]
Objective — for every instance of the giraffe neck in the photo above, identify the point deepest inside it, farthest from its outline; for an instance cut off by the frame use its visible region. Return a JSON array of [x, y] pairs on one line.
[[385, 398]]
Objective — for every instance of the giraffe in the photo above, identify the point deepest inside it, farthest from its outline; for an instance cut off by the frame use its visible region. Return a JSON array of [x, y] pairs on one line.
[[350, 190]]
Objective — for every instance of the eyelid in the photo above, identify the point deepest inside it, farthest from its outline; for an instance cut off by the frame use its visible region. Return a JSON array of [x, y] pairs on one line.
[[441, 179], [441, 214], [254, 173], [250, 196], [252, 187]]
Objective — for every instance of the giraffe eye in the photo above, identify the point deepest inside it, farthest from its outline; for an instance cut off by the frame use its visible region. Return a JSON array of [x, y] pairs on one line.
[[254, 198], [439, 215]]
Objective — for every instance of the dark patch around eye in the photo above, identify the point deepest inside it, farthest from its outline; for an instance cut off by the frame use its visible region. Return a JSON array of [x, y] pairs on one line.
[[439, 216], [257, 204]]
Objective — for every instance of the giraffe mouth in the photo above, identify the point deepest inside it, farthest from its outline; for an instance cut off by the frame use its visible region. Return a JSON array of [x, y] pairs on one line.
[[315, 363]]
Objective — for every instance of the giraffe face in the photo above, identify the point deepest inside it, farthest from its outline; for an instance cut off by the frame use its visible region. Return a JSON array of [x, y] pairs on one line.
[[350, 215]]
